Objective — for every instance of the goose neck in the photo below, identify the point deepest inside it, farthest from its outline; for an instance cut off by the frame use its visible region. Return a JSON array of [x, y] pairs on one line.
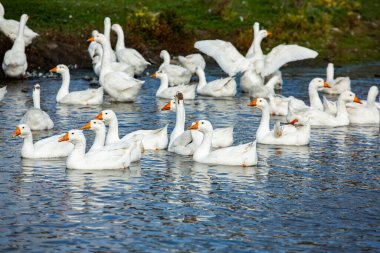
[[64, 90], [100, 137], [36, 100], [342, 113], [28, 147], [179, 123], [204, 148], [113, 132], [315, 101], [264, 123], [202, 79], [164, 83], [120, 44]]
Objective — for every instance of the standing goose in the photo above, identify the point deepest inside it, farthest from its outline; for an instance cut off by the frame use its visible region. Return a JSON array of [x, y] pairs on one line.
[[223, 87], [83, 97], [129, 56], [164, 91], [177, 74], [78, 159], [98, 127], [152, 139], [241, 155], [42, 149], [10, 28], [15, 63], [35, 118], [119, 85], [280, 135]]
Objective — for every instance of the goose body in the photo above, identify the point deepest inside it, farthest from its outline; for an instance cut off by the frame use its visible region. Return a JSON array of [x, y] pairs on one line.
[[42, 149], [98, 127], [152, 139], [119, 85], [164, 91], [279, 135], [129, 56], [224, 87], [36, 118], [177, 75], [192, 61], [83, 97], [241, 155], [10, 28], [96, 160], [14, 62]]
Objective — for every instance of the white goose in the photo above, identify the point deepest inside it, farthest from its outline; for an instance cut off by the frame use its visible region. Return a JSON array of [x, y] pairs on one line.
[[366, 113], [129, 56], [223, 87], [241, 155], [321, 118], [177, 74], [96, 160], [35, 118], [120, 86], [153, 139], [42, 149], [164, 91], [185, 142], [83, 97], [10, 28], [280, 135], [338, 85], [192, 61], [14, 62], [3, 91], [98, 127]]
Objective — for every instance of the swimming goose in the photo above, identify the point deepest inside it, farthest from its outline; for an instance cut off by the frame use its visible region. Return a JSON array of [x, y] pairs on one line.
[[14, 62], [128, 56], [338, 85], [223, 87], [366, 113], [99, 128], [177, 74], [192, 61], [42, 149], [279, 135], [321, 118], [35, 118], [96, 160], [3, 91], [10, 28], [241, 155], [164, 91], [83, 97], [153, 139], [120, 86]]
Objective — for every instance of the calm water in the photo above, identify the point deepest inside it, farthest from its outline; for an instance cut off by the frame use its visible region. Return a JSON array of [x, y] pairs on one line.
[[324, 197]]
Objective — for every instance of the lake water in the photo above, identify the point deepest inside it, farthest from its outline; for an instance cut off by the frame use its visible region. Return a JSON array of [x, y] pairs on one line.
[[323, 197]]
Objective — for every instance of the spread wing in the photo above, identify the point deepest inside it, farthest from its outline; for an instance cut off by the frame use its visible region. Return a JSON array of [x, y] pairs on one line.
[[225, 54], [283, 54]]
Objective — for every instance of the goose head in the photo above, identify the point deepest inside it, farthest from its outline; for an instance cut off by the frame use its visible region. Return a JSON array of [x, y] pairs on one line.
[[98, 37], [22, 130], [172, 104], [256, 29], [318, 83], [260, 103], [203, 126], [116, 28], [61, 68], [159, 74], [94, 125], [94, 32], [348, 97], [74, 136], [165, 56], [263, 34], [106, 116], [372, 93]]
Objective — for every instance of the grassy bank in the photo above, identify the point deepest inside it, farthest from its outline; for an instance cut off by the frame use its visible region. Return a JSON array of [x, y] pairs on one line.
[[342, 31]]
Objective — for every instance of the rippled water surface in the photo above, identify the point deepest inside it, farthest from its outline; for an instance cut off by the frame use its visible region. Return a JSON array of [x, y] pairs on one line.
[[324, 197]]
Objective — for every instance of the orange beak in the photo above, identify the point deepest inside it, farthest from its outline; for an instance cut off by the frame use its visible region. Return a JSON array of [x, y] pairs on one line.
[[166, 107], [326, 85], [17, 132], [194, 126], [294, 121], [54, 70], [91, 39], [87, 126], [64, 138], [153, 75], [269, 33], [99, 116], [253, 102], [357, 100]]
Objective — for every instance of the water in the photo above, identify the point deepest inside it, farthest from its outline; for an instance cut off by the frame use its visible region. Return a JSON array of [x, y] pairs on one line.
[[324, 197]]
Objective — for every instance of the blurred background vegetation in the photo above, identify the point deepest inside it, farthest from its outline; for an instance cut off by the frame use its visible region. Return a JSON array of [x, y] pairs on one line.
[[342, 31]]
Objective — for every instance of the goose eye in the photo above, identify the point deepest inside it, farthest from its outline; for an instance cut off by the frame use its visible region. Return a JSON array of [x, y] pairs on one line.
[[72, 133], [94, 122], [23, 127], [202, 123]]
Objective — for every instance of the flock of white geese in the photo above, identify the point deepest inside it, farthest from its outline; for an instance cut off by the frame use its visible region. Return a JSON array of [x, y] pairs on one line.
[[117, 70]]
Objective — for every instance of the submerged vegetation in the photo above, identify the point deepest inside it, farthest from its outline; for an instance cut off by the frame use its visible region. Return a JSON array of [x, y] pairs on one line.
[[340, 30]]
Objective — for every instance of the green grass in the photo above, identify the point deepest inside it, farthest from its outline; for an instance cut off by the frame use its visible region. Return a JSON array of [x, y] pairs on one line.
[[305, 22]]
